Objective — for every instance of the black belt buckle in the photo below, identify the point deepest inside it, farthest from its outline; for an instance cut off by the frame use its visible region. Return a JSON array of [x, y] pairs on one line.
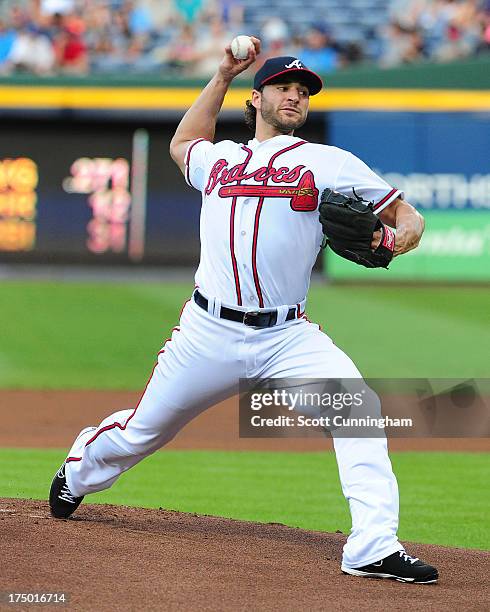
[[251, 318]]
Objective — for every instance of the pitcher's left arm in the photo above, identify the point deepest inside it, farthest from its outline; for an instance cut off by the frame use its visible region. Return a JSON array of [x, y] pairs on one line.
[[407, 221]]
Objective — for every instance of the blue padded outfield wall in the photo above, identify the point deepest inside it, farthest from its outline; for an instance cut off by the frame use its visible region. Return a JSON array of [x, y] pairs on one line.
[[442, 162]]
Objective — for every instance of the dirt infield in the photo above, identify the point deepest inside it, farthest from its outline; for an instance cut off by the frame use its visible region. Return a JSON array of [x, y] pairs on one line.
[[120, 558], [108, 558], [52, 419]]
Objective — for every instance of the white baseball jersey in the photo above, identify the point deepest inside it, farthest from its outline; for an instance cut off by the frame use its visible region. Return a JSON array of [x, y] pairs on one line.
[[260, 232]]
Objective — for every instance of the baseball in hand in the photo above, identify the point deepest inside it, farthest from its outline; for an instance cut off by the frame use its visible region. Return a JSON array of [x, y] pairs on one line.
[[240, 46]]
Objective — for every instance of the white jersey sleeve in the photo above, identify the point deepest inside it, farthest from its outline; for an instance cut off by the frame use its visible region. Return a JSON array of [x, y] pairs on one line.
[[354, 173], [197, 162]]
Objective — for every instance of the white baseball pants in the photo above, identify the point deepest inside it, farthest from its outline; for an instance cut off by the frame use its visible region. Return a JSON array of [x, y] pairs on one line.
[[201, 365]]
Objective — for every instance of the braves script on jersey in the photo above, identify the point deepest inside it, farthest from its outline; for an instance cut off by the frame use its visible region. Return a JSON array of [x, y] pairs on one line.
[[260, 233]]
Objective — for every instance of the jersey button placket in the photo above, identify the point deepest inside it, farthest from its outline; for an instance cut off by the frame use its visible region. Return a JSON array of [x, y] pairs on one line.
[[244, 229]]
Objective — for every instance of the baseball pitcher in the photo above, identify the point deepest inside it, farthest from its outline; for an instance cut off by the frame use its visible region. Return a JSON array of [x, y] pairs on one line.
[[268, 205]]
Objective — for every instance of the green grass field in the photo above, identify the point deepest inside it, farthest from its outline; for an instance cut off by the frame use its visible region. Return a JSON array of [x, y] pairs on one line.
[[444, 497], [105, 336]]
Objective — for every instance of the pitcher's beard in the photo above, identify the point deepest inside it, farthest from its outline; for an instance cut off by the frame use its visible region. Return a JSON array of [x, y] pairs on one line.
[[281, 125]]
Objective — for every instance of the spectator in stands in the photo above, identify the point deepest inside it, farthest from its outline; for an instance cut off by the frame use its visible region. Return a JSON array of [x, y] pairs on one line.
[[164, 14], [232, 12], [320, 53], [32, 51], [189, 9], [141, 29], [7, 39], [180, 54], [140, 21], [61, 7], [484, 21], [408, 13], [71, 50], [462, 32], [402, 45], [209, 50], [17, 17], [350, 53], [274, 31], [109, 46]]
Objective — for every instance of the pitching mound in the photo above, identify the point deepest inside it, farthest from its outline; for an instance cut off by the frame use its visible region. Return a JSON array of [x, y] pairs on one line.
[[119, 558]]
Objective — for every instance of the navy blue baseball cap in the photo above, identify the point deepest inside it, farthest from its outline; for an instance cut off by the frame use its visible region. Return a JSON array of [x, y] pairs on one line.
[[276, 67]]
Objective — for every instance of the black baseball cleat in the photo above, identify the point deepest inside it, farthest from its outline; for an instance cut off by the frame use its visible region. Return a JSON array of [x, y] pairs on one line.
[[61, 500], [398, 566]]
